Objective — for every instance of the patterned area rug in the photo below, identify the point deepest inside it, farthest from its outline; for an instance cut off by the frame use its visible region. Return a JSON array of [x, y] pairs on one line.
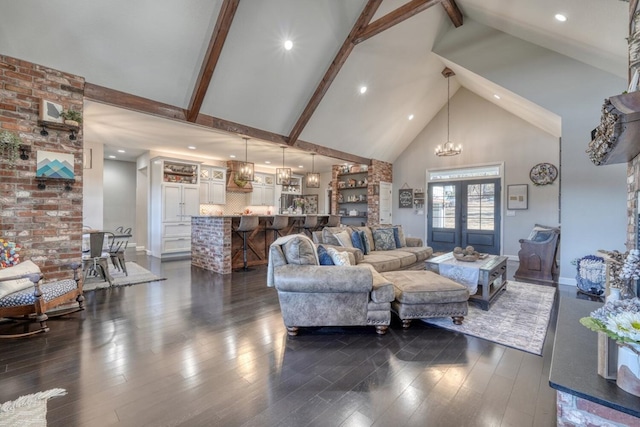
[[137, 275], [29, 410], [517, 318]]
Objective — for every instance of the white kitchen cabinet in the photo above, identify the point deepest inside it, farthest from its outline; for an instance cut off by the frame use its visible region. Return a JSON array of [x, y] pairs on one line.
[[213, 185], [263, 190], [179, 202]]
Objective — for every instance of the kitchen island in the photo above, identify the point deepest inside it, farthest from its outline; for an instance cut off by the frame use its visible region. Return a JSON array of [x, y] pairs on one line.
[[216, 246]]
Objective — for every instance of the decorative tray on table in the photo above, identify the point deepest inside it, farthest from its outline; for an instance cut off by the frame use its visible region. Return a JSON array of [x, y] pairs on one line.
[[468, 254]]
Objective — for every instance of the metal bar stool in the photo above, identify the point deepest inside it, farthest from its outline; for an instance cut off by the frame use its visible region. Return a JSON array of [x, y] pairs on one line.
[[279, 223], [310, 224], [248, 223]]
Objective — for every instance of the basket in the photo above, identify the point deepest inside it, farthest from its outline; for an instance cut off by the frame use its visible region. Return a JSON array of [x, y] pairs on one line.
[[468, 258]]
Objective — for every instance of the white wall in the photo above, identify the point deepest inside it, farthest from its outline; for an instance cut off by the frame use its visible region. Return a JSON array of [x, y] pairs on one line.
[[488, 134], [119, 195], [593, 199], [92, 188]]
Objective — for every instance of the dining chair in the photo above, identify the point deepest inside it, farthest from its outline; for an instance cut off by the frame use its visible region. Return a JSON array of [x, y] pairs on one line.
[[94, 261], [118, 243]]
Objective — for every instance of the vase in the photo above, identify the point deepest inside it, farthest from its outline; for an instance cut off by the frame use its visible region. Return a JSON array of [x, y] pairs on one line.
[[298, 211], [614, 295], [628, 377], [628, 289]]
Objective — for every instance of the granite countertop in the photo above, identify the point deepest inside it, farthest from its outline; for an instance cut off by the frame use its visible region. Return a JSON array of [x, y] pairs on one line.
[[574, 365]]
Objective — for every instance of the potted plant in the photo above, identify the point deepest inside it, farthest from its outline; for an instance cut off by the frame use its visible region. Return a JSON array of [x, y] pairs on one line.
[[72, 117], [10, 145]]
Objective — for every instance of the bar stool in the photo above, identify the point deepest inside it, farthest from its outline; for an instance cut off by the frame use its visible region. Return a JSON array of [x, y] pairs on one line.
[[248, 223], [310, 224], [280, 222], [333, 221]]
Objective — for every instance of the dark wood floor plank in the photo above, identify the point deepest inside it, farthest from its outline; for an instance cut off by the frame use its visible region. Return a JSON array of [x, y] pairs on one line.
[[201, 349]]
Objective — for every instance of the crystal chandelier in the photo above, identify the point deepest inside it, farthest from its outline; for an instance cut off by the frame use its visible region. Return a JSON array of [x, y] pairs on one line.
[[283, 175], [246, 168], [448, 149], [313, 179]]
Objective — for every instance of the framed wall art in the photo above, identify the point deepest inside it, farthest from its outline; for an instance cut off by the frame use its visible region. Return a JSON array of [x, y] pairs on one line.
[[517, 196], [50, 111], [54, 165], [405, 198]]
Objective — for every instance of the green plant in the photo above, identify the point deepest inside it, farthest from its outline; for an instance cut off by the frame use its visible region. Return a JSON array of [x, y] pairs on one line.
[[10, 145], [74, 115], [240, 182]]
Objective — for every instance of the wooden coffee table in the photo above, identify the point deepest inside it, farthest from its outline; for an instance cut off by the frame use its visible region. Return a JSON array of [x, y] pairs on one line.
[[492, 278]]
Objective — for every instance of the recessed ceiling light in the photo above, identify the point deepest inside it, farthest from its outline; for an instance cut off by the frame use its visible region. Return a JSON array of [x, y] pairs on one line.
[[300, 167], [112, 157], [496, 96], [288, 44], [560, 17], [191, 147], [121, 151], [363, 89], [410, 116], [233, 156], [267, 162]]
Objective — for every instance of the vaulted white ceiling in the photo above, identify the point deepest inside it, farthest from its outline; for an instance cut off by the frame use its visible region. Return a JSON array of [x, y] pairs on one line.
[[154, 49]]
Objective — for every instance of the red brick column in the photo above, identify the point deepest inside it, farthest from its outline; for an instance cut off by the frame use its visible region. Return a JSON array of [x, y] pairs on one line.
[[574, 411]]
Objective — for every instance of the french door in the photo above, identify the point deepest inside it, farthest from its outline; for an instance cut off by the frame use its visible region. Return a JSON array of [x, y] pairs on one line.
[[463, 213]]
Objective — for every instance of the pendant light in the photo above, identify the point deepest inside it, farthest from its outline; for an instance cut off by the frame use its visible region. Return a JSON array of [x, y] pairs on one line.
[[283, 175], [246, 168], [448, 149], [313, 179]]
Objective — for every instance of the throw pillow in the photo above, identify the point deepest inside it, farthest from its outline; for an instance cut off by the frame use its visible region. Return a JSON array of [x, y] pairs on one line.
[[356, 239], [339, 258], [383, 239], [396, 237], [367, 232], [10, 286], [400, 238], [300, 251], [365, 242], [344, 238], [324, 257], [328, 238]]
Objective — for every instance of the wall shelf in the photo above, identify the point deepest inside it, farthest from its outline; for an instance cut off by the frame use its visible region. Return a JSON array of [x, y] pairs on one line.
[[73, 130], [42, 182]]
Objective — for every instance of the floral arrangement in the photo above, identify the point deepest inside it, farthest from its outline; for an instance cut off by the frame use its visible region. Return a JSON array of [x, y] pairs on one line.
[[620, 320], [9, 253], [622, 266], [299, 202]]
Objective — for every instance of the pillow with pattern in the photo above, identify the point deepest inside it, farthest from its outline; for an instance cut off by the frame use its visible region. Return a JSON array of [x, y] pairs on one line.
[[339, 258], [383, 239]]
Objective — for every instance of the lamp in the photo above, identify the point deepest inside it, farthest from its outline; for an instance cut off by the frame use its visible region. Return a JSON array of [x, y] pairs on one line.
[[448, 149], [246, 168], [283, 175], [313, 179]]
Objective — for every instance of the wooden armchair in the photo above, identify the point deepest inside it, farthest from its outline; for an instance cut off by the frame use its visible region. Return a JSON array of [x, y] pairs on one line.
[[23, 296], [538, 255]]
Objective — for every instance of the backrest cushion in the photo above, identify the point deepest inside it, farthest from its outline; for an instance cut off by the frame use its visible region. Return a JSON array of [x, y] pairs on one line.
[[356, 239], [300, 251], [384, 240], [324, 257], [369, 235], [328, 237], [344, 238], [339, 258]]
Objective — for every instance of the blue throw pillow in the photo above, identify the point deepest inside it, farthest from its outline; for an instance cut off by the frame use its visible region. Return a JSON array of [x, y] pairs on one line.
[[324, 257], [356, 239], [396, 237], [366, 244]]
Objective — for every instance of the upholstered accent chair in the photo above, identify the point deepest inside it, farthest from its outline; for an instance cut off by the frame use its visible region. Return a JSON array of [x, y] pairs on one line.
[[311, 294], [538, 254], [25, 297]]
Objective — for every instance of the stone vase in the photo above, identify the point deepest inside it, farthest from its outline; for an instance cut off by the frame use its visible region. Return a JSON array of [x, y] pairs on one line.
[[628, 377]]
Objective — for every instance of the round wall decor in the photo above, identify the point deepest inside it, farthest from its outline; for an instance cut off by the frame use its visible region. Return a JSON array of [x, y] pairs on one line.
[[543, 174]]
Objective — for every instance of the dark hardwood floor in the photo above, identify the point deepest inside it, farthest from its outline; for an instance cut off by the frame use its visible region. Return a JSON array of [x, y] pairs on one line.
[[201, 349]]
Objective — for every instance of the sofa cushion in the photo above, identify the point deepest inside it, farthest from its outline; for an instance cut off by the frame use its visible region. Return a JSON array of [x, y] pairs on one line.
[[10, 286], [383, 261], [366, 243], [356, 240], [398, 236], [369, 234], [300, 252], [406, 258], [344, 238], [324, 257], [419, 287], [384, 240], [421, 252], [339, 258], [329, 238]]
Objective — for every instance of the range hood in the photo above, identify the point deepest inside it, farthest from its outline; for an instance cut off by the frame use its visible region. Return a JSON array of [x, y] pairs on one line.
[[235, 185]]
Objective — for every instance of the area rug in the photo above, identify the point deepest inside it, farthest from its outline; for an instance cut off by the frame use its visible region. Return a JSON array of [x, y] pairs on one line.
[[137, 275], [518, 318], [29, 410]]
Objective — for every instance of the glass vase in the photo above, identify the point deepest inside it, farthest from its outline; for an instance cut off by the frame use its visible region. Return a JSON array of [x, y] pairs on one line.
[[628, 289]]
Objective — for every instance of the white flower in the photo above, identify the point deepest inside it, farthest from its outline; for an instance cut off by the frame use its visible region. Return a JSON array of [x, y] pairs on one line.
[[625, 324]]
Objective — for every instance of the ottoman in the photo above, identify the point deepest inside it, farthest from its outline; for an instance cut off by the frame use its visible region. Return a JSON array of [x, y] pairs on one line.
[[421, 294]]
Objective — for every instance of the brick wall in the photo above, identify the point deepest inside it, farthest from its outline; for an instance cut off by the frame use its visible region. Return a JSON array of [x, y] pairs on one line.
[[211, 243], [379, 171], [47, 223], [574, 411]]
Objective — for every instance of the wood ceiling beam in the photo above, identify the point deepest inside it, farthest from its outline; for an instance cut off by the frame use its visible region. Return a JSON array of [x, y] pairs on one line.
[[329, 76], [454, 13], [402, 13], [218, 38], [147, 106]]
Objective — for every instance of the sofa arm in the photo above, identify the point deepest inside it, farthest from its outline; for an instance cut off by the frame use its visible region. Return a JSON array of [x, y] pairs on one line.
[[414, 242], [322, 278], [383, 290]]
